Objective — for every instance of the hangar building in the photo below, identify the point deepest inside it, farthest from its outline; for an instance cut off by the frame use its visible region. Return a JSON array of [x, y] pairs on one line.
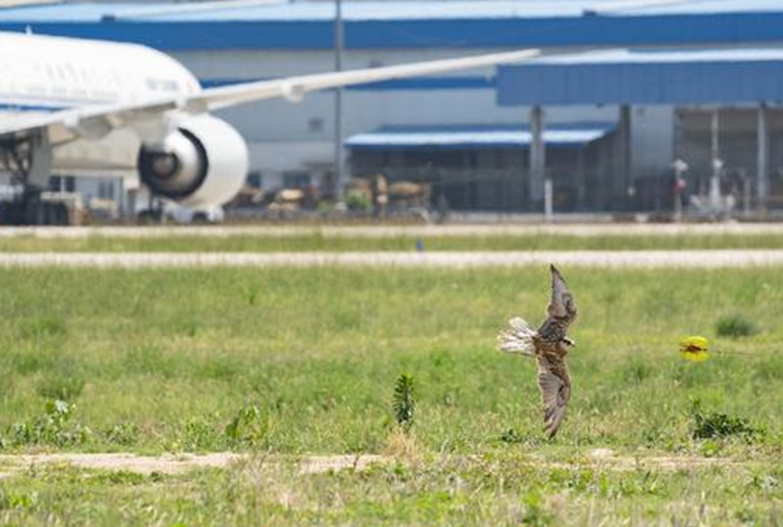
[[626, 88]]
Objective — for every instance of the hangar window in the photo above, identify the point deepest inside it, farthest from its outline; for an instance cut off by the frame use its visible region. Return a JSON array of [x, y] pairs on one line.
[[296, 179], [106, 190], [62, 184], [254, 179]]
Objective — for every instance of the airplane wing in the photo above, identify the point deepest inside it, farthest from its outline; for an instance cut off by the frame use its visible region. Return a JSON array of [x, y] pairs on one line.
[[96, 121]]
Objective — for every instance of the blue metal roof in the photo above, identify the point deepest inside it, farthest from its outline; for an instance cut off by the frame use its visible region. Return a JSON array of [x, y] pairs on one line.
[[407, 24], [651, 77], [396, 10], [446, 137]]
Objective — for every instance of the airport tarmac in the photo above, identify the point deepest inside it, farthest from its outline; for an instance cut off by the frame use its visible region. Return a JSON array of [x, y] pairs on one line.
[[603, 259], [391, 231]]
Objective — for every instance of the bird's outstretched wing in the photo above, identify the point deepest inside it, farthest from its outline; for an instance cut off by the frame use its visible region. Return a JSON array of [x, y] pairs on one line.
[[562, 304], [555, 391]]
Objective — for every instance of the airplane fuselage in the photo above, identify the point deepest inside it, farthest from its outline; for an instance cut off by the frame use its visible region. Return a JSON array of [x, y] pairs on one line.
[[40, 74], [48, 73]]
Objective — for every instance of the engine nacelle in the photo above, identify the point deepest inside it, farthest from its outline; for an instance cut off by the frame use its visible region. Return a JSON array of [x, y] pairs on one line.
[[204, 163]]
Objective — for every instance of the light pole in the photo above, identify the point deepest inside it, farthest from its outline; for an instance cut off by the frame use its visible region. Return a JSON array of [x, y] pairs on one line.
[[338, 103]]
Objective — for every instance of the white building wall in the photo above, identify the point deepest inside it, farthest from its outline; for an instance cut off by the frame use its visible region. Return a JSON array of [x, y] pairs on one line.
[[652, 140]]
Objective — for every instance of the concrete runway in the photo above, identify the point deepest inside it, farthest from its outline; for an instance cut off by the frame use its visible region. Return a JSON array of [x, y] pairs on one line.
[[600, 259], [390, 231]]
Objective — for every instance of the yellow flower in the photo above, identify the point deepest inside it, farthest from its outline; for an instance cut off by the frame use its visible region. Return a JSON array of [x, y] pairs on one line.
[[694, 349]]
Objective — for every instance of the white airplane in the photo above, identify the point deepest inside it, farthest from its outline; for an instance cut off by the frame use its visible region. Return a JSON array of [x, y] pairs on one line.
[[85, 107]]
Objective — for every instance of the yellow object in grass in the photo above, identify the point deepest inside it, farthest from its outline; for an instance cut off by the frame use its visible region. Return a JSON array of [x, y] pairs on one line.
[[694, 349]]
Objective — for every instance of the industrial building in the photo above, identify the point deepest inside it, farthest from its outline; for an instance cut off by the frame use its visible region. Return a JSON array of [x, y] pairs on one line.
[[635, 103]]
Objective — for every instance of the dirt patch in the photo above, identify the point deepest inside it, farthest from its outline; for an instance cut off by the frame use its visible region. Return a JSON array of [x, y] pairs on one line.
[[178, 464], [607, 457]]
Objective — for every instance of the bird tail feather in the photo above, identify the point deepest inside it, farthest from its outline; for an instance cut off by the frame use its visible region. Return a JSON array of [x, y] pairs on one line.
[[517, 338]]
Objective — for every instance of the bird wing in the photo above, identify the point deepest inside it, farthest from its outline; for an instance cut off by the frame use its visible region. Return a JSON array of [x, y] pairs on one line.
[[518, 338], [555, 389], [562, 304]]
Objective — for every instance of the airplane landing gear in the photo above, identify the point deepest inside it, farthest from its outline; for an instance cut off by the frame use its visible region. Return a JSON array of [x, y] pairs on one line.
[[29, 161]]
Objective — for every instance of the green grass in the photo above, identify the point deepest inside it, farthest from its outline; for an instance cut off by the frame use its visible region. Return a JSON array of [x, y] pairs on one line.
[[179, 353], [322, 242], [305, 361], [506, 489]]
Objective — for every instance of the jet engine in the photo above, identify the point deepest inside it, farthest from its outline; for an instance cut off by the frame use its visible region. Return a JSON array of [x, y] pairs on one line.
[[202, 163]]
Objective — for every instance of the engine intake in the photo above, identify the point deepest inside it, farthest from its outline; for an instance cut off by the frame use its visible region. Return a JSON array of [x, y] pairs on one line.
[[201, 164]]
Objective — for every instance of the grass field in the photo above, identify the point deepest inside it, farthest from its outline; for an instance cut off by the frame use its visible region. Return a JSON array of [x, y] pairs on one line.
[[314, 241], [305, 361]]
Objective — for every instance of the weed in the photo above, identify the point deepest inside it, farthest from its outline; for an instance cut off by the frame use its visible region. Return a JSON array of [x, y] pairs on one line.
[[125, 434], [199, 434], [535, 513], [404, 404], [511, 436], [735, 326], [248, 426], [52, 427], [718, 425], [356, 201], [251, 295]]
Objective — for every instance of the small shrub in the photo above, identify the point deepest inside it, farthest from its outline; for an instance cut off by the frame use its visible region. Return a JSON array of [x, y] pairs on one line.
[[125, 434], [199, 434], [511, 436], [53, 427], [248, 427], [404, 404], [536, 514], [718, 425], [251, 295], [735, 326], [357, 201]]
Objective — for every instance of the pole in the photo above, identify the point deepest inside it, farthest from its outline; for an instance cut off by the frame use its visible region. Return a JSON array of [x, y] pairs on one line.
[[626, 161], [339, 176], [762, 182], [548, 207], [537, 161], [717, 164]]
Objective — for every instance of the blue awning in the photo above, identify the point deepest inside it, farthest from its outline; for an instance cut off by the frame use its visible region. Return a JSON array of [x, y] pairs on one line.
[[571, 135]]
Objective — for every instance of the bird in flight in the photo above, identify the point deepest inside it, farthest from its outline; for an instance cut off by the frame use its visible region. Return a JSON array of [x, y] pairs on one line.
[[549, 345]]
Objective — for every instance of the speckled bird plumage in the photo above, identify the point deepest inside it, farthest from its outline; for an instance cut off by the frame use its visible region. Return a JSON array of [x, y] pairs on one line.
[[549, 345]]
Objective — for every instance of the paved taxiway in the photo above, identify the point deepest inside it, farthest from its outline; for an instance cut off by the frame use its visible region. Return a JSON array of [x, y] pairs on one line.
[[390, 231]]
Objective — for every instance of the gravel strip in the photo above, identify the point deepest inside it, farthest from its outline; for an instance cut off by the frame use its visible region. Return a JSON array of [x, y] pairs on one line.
[[178, 464]]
